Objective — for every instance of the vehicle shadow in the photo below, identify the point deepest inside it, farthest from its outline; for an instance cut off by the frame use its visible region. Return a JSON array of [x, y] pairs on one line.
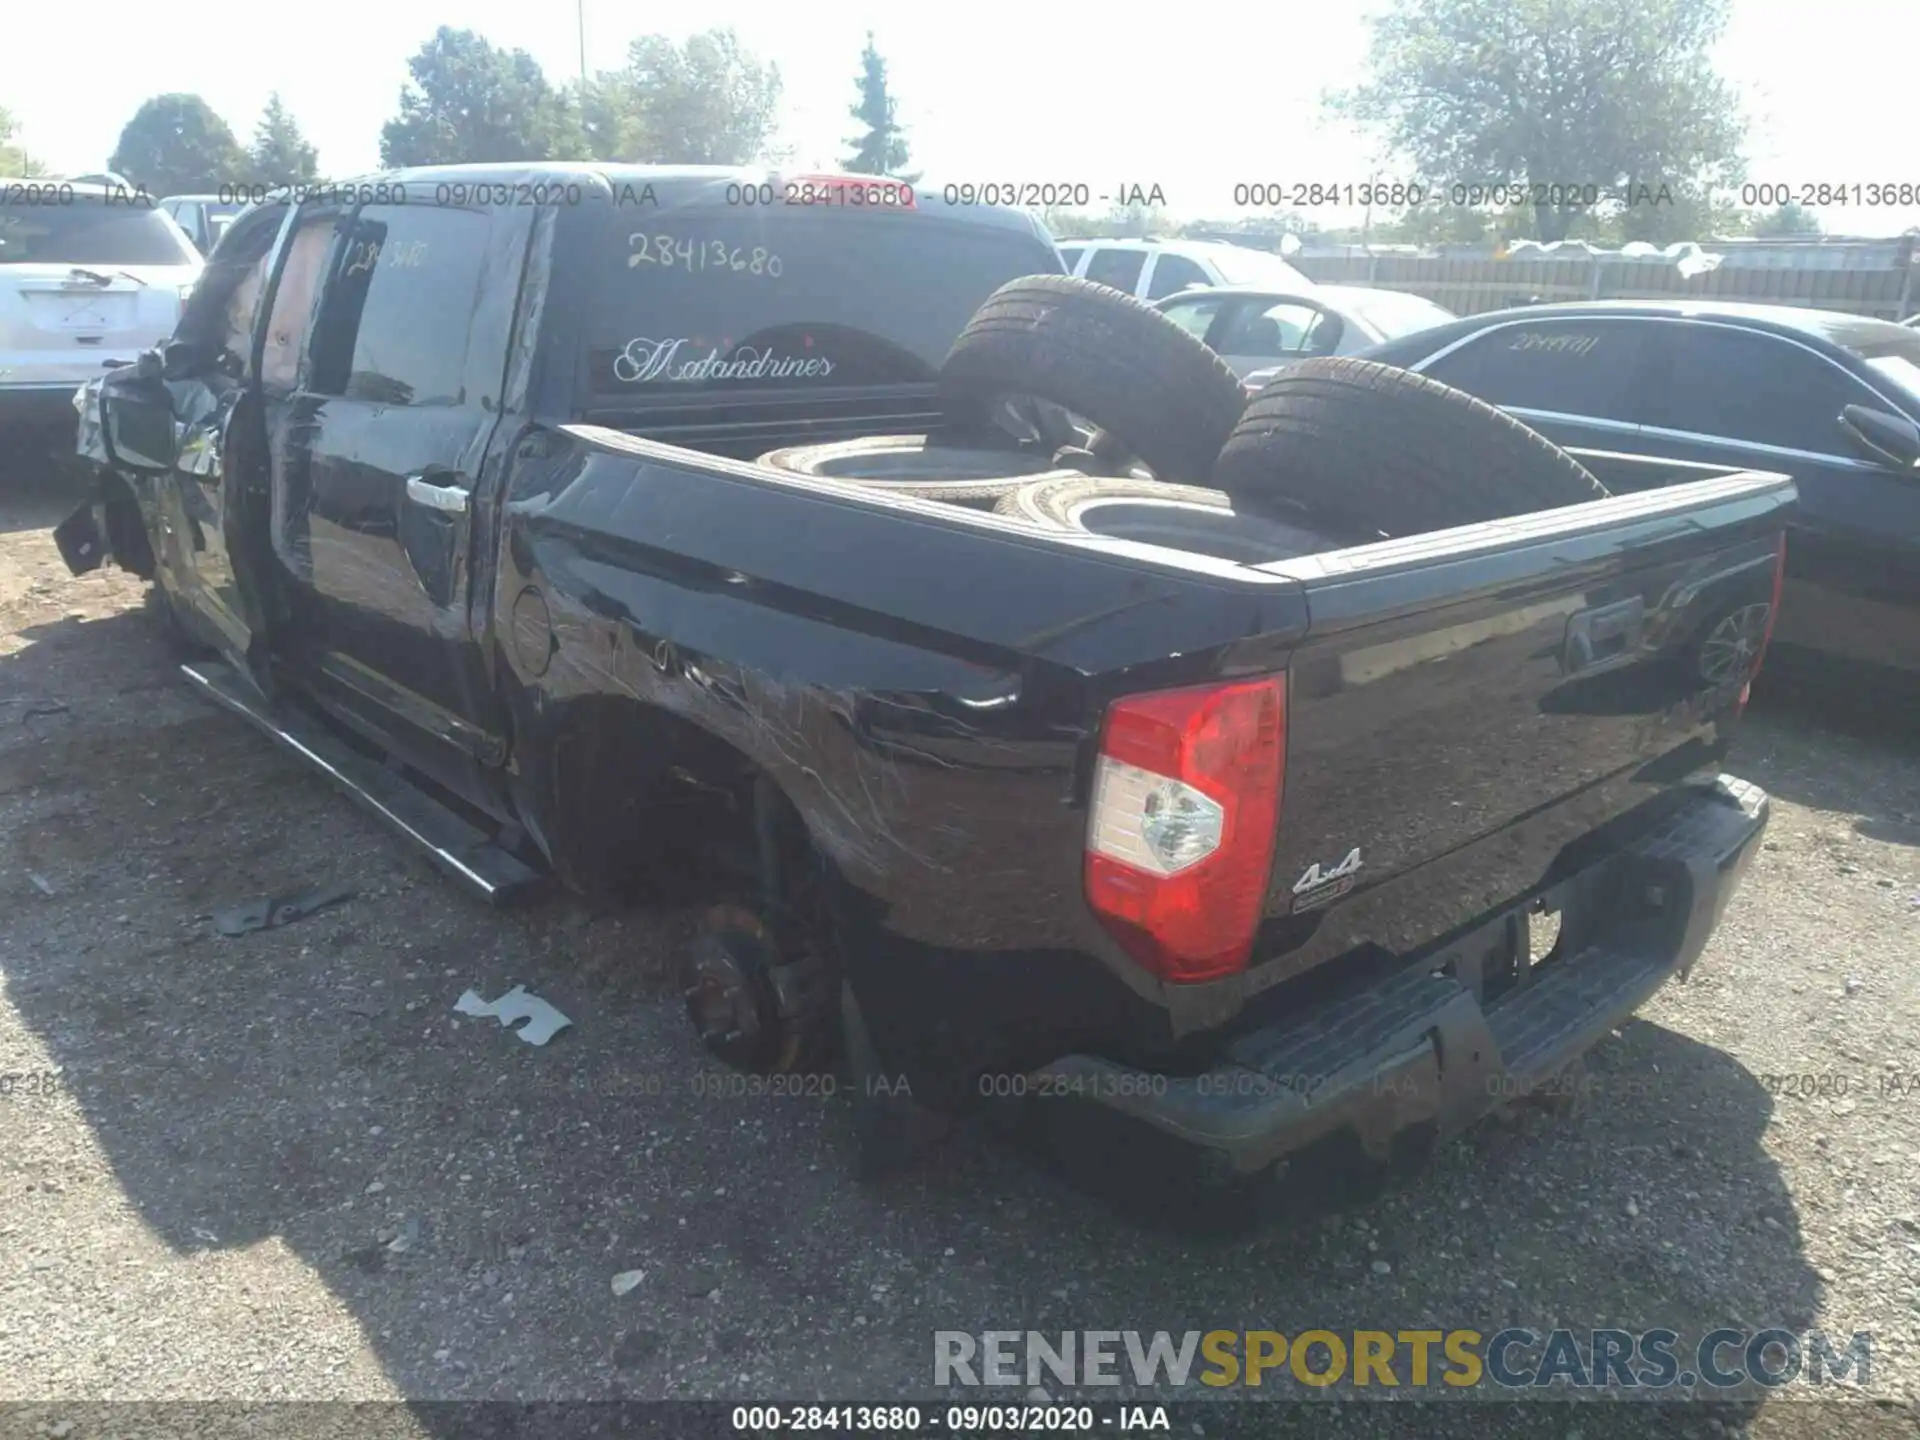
[[39, 490], [1836, 756], [468, 1198]]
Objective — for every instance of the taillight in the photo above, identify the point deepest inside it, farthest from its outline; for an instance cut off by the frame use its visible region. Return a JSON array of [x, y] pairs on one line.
[[1186, 800], [1773, 615]]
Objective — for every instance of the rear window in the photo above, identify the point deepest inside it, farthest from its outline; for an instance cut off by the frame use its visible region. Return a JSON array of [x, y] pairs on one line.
[[1395, 315], [713, 302], [88, 231]]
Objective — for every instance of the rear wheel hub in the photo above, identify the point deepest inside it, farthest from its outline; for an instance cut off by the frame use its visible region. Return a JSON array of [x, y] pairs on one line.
[[751, 1009]]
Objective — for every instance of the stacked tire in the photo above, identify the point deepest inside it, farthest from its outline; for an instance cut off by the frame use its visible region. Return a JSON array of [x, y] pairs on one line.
[[1371, 449], [1162, 396], [1165, 444], [909, 465]]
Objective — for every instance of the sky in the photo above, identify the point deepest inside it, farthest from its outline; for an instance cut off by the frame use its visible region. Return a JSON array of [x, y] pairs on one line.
[[988, 90]]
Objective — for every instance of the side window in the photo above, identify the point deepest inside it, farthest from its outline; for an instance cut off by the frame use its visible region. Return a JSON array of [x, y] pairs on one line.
[[1580, 367], [1172, 274], [1273, 332], [1070, 257], [292, 316], [1118, 268], [394, 321], [1756, 387], [189, 218], [1196, 316]]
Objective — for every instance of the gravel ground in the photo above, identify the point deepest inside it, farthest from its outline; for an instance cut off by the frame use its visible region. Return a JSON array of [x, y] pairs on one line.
[[281, 1167]]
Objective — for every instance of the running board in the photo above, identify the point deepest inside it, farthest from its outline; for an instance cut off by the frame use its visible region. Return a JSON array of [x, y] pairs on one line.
[[458, 847]]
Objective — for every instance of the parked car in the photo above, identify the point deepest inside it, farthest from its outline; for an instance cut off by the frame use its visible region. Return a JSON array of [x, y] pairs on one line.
[[1829, 398], [89, 275], [1155, 269], [1261, 330], [1000, 804], [204, 217]]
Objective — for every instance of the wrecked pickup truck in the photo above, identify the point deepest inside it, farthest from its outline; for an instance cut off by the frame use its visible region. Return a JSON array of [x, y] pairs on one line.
[[1229, 847]]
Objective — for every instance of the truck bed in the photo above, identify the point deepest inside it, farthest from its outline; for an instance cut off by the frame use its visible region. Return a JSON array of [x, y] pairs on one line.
[[926, 684]]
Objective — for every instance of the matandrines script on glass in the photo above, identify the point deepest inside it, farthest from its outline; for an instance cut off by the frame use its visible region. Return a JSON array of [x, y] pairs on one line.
[[642, 361]]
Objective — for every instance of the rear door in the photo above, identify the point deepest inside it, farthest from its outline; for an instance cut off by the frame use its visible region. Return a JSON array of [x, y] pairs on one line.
[[378, 455], [1728, 395], [84, 279], [1581, 381]]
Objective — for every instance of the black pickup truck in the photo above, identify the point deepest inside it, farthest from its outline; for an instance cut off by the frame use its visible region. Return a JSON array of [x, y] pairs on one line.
[[454, 475]]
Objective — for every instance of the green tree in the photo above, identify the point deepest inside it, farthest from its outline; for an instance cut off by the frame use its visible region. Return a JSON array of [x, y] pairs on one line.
[[1260, 229], [1068, 224], [470, 101], [881, 149], [1615, 94], [280, 154], [15, 163], [175, 144], [708, 102], [1137, 222], [1120, 221], [1789, 219], [1434, 224]]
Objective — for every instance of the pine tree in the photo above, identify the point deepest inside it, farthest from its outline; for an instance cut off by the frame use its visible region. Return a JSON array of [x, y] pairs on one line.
[[882, 150], [280, 154]]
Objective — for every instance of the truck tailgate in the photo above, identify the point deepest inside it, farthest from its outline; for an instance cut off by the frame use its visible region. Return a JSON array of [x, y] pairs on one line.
[[1467, 703]]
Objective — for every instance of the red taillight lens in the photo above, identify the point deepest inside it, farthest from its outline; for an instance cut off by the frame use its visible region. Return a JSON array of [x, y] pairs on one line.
[[1773, 616], [1186, 800]]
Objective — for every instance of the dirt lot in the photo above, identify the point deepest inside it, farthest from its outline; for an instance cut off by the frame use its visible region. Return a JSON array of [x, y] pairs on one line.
[[280, 1166]]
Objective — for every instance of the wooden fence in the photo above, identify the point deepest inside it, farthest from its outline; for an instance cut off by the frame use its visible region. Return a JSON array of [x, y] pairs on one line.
[[1469, 284]]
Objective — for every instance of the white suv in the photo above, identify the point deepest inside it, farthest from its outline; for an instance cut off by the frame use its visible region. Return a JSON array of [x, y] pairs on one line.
[[88, 273], [1154, 269]]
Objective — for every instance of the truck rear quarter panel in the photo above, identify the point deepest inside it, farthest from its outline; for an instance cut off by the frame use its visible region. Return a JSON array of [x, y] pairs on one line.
[[925, 688]]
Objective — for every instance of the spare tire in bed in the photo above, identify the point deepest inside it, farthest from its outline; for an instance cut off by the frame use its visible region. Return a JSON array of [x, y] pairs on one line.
[[1179, 517], [1056, 501], [1369, 448], [1114, 362], [908, 465]]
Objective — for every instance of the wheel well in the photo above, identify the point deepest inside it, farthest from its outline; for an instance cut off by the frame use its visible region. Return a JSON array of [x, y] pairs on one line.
[[649, 806]]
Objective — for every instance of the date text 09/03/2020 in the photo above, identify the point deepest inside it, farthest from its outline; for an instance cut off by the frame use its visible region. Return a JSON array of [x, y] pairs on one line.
[[950, 1419]]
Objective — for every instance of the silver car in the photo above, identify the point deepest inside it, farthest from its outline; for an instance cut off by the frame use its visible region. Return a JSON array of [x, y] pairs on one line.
[[1257, 330]]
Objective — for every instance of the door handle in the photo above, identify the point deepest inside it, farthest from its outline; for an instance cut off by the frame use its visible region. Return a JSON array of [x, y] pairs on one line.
[[452, 499]]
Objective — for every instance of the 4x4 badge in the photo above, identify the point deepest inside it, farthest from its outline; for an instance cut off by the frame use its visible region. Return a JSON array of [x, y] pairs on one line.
[[1318, 886]]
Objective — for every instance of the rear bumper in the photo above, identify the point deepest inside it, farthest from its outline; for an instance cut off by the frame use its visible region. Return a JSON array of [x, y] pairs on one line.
[[1419, 1050]]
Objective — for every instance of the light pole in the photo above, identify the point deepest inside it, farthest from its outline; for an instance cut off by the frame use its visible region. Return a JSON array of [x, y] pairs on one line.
[[580, 16]]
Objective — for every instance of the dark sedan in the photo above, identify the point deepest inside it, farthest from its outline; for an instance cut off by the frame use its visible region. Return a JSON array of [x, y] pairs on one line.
[[1831, 399]]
